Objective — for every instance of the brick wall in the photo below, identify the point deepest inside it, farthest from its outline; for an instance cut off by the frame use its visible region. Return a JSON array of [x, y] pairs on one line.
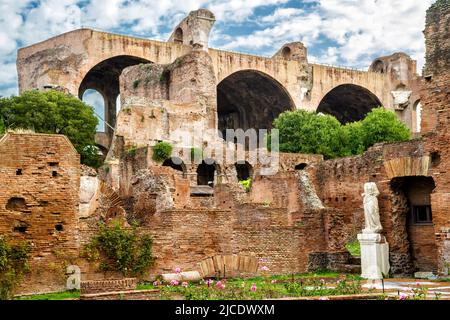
[[436, 115], [39, 194]]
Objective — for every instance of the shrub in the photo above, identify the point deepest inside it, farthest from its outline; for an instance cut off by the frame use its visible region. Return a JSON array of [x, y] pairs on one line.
[[247, 184], [162, 151], [382, 125], [13, 264], [121, 249], [53, 112], [307, 132]]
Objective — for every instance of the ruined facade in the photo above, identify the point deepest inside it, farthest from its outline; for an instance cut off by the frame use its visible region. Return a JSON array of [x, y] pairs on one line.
[[296, 219]]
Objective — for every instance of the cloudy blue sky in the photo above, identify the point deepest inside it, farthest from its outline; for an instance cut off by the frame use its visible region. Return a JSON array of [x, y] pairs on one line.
[[340, 32]]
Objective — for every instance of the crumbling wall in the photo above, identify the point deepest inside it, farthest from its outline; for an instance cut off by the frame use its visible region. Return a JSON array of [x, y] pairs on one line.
[[39, 197], [436, 115]]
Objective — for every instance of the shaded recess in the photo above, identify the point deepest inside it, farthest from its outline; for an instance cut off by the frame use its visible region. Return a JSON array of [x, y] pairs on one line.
[[176, 164], [250, 100], [348, 103], [206, 173], [419, 220], [104, 78], [244, 170]]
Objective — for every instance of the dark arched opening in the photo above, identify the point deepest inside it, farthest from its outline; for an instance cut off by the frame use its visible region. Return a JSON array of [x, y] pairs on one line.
[[176, 164], [378, 66], [414, 193], [206, 173], [104, 78], [301, 166], [250, 100], [348, 103], [244, 170], [178, 37]]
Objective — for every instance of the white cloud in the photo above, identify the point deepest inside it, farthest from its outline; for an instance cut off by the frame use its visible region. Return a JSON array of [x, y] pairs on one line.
[[354, 31]]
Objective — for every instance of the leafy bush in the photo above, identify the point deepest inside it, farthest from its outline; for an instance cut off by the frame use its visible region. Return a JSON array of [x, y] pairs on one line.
[[354, 248], [53, 112], [162, 151], [247, 184], [307, 132], [382, 125], [121, 249], [13, 264]]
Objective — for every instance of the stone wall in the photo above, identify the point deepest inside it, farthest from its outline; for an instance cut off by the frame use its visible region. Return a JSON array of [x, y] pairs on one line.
[[436, 115], [39, 196]]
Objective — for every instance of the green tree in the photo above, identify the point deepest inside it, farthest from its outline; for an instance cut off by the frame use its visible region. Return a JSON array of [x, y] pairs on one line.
[[54, 112], [307, 132], [382, 125]]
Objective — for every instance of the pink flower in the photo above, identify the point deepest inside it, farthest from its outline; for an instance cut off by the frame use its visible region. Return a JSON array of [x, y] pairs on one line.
[[209, 282], [185, 284], [324, 298], [156, 283], [174, 282], [177, 270], [254, 288], [220, 285], [274, 281], [403, 296], [264, 268]]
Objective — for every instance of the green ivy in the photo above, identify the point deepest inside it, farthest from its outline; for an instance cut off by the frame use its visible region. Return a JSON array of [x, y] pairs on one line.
[[247, 184], [121, 249], [162, 151], [13, 264]]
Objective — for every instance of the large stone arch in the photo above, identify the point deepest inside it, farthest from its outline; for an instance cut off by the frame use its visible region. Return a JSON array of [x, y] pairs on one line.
[[250, 99], [348, 102], [104, 78]]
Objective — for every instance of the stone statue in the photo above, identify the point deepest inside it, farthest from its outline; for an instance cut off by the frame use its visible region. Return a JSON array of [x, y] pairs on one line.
[[371, 210]]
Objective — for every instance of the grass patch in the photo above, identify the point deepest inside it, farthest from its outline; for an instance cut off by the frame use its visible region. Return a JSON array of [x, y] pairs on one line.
[[53, 296], [354, 248]]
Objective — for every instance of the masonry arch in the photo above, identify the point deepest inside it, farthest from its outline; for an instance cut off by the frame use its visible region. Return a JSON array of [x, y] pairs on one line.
[[176, 164], [207, 172], [104, 78], [244, 170], [250, 99], [348, 103]]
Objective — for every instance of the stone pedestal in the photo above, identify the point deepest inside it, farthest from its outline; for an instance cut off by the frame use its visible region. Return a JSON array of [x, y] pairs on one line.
[[374, 256]]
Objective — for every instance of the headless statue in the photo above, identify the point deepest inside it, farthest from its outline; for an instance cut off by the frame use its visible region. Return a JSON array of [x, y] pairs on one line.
[[371, 209]]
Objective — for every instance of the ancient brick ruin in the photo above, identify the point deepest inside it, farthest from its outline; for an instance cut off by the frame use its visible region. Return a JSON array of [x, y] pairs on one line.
[[296, 220]]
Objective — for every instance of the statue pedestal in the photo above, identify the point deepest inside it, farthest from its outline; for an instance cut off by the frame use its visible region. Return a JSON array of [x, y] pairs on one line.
[[374, 256]]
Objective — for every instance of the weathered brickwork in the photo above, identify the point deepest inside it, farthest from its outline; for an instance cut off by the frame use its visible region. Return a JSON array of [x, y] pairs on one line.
[[436, 112], [39, 196]]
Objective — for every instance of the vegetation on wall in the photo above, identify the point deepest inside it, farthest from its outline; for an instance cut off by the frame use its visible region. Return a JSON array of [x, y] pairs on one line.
[[121, 249], [162, 151], [247, 184], [13, 265], [54, 112], [311, 133]]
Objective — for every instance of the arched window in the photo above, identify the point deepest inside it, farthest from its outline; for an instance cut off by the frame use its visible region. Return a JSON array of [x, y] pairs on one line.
[[178, 37], [286, 53], [417, 117]]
